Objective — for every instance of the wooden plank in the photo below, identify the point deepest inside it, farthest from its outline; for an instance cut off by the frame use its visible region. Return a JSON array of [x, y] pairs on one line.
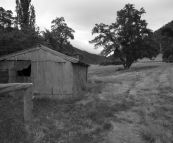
[[53, 71], [39, 78], [58, 79], [79, 77], [48, 78], [13, 87], [75, 73], [61, 78], [68, 78], [34, 76], [43, 76], [57, 88], [28, 107], [4, 76], [5, 65]]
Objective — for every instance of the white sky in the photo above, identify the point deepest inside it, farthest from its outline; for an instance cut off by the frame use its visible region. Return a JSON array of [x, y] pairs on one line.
[[82, 15]]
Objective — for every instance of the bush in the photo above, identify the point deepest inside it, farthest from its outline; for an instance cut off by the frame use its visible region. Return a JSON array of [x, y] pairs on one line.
[[111, 62], [170, 58]]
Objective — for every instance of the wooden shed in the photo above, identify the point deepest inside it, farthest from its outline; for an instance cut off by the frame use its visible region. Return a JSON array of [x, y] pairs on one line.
[[53, 74]]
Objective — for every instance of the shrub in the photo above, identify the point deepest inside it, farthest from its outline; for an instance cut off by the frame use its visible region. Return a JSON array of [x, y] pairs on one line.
[[111, 62]]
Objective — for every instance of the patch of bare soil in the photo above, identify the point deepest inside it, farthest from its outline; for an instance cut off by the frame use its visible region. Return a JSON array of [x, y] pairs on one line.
[[147, 90]]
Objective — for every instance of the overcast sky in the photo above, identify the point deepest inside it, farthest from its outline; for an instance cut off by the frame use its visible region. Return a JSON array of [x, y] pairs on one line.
[[82, 15]]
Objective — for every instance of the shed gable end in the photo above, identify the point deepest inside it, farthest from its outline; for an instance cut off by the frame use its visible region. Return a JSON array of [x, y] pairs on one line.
[[37, 55]]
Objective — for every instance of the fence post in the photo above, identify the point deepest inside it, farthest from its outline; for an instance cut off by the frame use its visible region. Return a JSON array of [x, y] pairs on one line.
[[28, 107], [28, 104]]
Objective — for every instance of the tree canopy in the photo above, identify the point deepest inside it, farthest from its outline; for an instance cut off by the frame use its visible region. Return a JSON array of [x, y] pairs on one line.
[[18, 32], [25, 13], [164, 39], [128, 38], [6, 18], [167, 34], [59, 36]]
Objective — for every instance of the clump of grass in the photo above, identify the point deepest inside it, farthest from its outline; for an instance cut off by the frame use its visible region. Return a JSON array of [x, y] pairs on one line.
[[154, 129], [156, 119], [155, 133], [72, 122], [67, 121]]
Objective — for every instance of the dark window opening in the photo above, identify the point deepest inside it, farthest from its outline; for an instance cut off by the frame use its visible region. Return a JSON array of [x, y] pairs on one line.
[[25, 72]]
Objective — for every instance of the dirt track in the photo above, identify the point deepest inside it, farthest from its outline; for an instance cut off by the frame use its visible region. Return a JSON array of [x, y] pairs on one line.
[[147, 86]]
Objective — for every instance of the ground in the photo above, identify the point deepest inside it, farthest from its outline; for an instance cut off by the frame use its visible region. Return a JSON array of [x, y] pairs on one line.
[[116, 106], [148, 87]]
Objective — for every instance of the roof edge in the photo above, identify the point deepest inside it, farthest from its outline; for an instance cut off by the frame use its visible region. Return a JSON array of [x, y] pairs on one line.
[[63, 56]]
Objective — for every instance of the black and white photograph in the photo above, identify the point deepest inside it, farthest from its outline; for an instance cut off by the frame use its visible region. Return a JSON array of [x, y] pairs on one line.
[[86, 71]]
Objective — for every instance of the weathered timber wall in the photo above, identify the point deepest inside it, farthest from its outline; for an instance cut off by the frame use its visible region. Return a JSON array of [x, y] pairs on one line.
[[52, 76], [79, 77], [4, 76]]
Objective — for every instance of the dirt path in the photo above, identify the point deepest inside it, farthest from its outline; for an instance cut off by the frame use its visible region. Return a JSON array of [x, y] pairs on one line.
[[142, 87]]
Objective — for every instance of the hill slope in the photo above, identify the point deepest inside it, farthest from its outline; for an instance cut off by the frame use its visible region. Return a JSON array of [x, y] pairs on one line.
[[89, 58], [163, 42]]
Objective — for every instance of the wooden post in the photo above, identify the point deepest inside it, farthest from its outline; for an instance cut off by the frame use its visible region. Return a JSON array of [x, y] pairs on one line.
[[28, 107]]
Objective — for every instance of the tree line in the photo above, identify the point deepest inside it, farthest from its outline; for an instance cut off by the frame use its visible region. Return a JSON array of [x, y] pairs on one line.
[[127, 39], [164, 37], [21, 32]]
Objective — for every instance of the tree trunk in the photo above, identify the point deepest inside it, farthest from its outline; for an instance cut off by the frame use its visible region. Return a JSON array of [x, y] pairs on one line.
[[127, 64]]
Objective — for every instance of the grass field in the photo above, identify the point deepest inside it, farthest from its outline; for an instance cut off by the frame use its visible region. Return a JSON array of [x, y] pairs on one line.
[[133, 106], [146, 90]]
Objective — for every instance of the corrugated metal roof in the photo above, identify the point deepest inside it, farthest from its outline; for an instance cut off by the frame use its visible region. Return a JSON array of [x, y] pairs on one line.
[[65, 57]]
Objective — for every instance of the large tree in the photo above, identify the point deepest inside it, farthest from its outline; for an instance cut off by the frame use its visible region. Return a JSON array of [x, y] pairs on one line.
[[25, 13], [128, 38]]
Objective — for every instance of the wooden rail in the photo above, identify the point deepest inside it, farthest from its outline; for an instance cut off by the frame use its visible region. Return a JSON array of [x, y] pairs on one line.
[[28, 104]]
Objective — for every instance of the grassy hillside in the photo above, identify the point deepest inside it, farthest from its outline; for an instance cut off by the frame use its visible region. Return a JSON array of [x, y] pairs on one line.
[[163, 42], [157, 59], [168, 25], [90, 58]]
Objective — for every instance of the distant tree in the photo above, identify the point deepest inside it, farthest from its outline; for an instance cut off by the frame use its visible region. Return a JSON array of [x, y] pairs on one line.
[[25, 13], [59, 36], [17, 40], [6, 18], [61, 32], [49, 38], [128, 38], [32, 17], [167, 32], [18, 33], [162, 38], [25, 21], [168, 35]]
